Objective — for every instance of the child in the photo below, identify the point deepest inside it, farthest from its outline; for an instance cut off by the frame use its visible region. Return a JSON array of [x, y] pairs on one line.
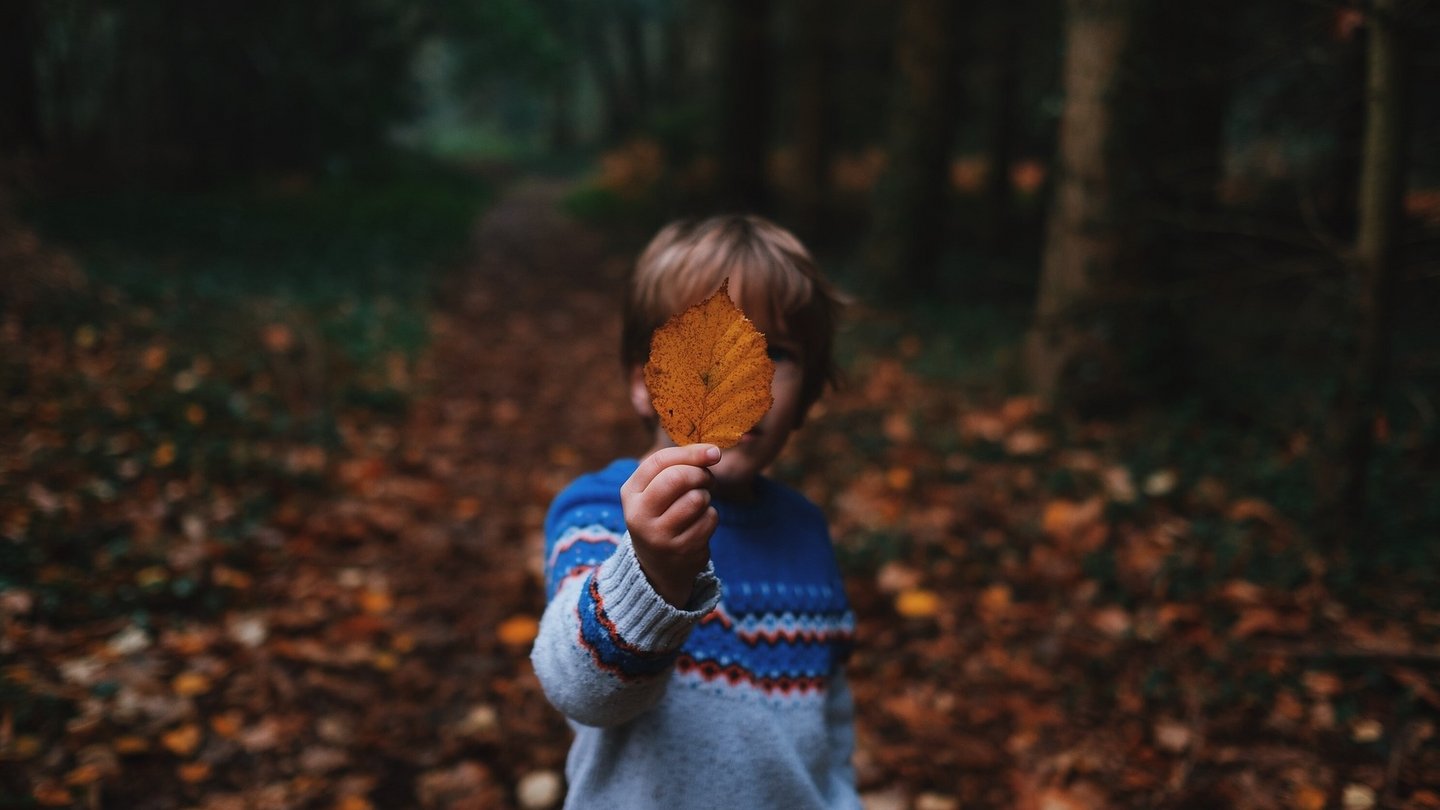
[[698, 626]]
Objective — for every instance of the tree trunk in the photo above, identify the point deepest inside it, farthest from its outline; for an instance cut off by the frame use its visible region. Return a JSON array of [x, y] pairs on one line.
[[1381, 190], [617, 113], [1069, 353], [907, 236], [20, 128], [637, 61], [1340, 191], [1139, 159], [812, 122], [674, 77], [745, 103], [1004, 128]]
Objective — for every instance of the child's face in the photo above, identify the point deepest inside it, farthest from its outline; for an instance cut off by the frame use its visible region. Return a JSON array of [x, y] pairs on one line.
[[735, 473]]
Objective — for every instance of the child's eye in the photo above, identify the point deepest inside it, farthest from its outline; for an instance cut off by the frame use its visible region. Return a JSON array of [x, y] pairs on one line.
[[780, 354]]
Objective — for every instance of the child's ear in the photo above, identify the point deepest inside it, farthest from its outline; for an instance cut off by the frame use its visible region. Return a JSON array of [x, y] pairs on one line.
[[640, 394]]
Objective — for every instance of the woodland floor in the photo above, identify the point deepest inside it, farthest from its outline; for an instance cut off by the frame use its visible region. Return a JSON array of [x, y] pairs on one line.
[[1041, 626]]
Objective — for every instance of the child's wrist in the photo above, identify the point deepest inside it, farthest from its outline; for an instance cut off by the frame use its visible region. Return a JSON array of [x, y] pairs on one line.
[[675, 586]]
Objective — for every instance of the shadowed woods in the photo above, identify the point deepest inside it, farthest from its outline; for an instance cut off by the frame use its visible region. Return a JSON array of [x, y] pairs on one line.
[[1046, 619], [299, 335]]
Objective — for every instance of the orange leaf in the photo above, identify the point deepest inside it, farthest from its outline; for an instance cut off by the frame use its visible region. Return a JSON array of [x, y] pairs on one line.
[[131, 744], [154, 357], [182, 741], [1308, 797], [83, 775], [187, 684], [50, 794], [164, 455], [277, 337], [995, 602], [227, 725], [518, 631], [709, 374], [193, 772], [1064, 518], [917, 603], [376, 602], [467, 508]]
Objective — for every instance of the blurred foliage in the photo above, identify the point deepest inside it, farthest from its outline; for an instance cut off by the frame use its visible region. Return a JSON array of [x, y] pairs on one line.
[[232, 330], [238, 287], [193, 91]]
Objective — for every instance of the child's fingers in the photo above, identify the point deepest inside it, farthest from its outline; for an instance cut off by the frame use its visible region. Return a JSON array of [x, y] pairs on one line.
[[683, 512], [696, 536], [671, 484], [694, 455]]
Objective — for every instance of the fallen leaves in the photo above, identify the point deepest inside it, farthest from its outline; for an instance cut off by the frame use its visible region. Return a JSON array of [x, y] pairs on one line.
[[50, 794], [917, 603], [182, 741], [518, 631], [709, 374], [1058, 606], [189, 684]]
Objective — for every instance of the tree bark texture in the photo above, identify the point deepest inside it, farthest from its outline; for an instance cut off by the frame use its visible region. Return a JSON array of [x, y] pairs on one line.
[[619, 114], [1139, 159], [1068, 344], [746, 94], [1004, 127], [907, 235], [20, 127], [812, 141], [637, 60], [1381, 190]]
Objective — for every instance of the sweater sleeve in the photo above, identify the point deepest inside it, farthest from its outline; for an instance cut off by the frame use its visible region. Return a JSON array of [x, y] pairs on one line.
[[840, 727], [608, 641]]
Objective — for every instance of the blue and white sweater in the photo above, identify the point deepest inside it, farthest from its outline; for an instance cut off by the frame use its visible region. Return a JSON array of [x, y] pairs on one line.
[[737, 701]]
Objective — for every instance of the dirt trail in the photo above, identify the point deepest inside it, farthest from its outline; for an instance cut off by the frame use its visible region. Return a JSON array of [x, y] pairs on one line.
[[437, 540]]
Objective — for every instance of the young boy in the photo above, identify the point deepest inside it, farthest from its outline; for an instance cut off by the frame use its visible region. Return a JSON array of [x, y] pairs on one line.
[[697, 625]]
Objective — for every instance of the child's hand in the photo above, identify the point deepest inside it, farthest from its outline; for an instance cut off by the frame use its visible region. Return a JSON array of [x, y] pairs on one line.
[[668, 511]]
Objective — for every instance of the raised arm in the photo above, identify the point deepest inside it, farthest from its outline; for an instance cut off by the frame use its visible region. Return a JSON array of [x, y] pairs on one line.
[[608, 638]]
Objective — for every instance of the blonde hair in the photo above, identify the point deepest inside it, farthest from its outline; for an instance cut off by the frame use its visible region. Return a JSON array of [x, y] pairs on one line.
[[771, 274]]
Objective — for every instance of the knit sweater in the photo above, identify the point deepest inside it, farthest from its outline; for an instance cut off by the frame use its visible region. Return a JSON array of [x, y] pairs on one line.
[[737, 700]]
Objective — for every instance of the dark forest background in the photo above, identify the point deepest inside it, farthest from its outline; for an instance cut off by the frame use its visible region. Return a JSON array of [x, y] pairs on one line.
[[1146, 288]]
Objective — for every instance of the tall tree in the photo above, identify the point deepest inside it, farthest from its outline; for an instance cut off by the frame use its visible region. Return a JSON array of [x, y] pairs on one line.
[[746, 99], [19, 91], [1146, 88], [1069, 351], [631, 19], [812, 122], [907, 234], [1381, 188], [1003, 130]]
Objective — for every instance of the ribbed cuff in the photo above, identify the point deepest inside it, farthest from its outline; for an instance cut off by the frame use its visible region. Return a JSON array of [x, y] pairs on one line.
[[642, 618]]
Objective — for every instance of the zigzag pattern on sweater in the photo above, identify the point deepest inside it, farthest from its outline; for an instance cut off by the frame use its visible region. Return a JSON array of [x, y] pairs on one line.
[[578, 550], [783, 654], [788, 627], [783, 625], [735, 675], [608, 649]]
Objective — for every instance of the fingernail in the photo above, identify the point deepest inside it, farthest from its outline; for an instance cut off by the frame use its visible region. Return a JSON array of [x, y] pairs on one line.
[[712, 453]]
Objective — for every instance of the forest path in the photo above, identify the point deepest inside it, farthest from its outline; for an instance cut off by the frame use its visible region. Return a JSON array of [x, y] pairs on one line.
[[436, 543]]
